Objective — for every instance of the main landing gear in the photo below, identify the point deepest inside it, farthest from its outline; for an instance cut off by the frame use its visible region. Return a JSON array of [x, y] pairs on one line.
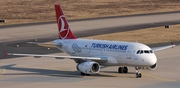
[[84, 74], [123, 70], [138, 73]]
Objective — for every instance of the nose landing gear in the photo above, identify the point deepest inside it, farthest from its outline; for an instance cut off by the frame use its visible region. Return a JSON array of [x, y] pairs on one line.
[[125, 70], [138, 73]]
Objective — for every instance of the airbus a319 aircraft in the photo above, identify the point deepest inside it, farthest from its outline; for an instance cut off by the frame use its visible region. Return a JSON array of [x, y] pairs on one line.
[[91, 54]]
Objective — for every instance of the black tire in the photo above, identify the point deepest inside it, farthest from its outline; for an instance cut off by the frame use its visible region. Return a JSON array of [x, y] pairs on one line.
[[120, 70], [137, 75], [83, 74], [140, 75], [87, 74], [125, 70]]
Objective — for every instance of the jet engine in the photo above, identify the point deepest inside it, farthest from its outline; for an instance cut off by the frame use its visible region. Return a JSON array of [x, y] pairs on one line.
[[153, 67], [89, 67]]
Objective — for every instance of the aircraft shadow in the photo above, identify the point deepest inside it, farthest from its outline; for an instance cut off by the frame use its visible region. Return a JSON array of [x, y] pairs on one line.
[[117, 72], [56, 73], [38, 71]]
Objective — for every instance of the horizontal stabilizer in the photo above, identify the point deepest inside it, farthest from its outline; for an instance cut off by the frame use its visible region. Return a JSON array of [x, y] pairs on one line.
[[42, 44]]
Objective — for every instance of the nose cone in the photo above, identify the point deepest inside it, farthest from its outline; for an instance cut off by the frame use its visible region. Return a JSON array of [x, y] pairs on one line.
[[152, 60]]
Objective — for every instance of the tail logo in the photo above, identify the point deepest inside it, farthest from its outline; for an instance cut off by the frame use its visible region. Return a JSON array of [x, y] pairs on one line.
[[63, 27]]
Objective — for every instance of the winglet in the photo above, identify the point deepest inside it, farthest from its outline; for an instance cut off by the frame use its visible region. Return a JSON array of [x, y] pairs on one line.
[[5, 54]]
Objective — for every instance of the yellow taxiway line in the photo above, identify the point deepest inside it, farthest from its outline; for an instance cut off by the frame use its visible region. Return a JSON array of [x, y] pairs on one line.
[[4, 71], [158, 78]]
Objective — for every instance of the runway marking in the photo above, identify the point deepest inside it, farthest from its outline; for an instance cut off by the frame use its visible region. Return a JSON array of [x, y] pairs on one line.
[[4, 71], [158, 78]]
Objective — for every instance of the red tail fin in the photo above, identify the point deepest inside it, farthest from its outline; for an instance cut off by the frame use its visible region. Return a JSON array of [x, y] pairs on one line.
[[63, 26]]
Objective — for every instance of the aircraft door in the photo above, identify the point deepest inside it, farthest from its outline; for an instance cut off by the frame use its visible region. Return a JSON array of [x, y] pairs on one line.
[[129, 51], [86, 49]]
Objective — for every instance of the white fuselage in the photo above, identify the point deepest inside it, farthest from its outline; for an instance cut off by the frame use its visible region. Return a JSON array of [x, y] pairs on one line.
[[117, 53]]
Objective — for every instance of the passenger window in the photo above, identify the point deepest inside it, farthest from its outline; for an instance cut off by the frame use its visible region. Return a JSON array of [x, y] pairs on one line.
[[146, 51], [141, 52], [138, 52]]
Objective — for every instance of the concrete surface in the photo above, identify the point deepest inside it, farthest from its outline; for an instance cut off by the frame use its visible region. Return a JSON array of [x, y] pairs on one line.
[[28, 72]]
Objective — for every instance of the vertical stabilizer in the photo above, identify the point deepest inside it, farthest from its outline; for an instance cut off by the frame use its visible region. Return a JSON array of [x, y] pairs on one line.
[[63, 26]]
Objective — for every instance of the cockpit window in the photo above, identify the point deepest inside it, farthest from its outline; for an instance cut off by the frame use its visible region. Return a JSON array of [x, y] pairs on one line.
[[146, 51], [141, 52], [138, 52], [151, 51]]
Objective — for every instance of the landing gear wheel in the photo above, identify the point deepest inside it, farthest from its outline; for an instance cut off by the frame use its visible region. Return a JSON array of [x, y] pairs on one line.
[[138, 75], [120, 70], [87, 74], [125, 70], [84, 74]]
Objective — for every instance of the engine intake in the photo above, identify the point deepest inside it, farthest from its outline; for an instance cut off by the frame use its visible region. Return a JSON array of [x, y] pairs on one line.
[[89, 67], [153, 67]]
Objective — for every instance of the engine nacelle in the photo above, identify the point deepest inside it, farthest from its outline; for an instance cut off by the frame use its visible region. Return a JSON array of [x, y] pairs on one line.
[[153, 67], [89, 67]]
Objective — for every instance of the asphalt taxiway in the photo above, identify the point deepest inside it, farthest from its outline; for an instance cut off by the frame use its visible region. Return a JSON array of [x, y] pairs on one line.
[[31, 72]]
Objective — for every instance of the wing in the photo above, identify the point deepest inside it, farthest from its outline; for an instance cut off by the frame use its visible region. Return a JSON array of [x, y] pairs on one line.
[[163, 47], [59, 57]]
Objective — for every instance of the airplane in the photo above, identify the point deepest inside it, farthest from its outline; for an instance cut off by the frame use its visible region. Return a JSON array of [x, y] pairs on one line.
[[90, 55]]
